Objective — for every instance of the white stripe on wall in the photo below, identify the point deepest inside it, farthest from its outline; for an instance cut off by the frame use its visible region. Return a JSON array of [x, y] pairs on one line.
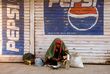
[[26, 26], [0, 27]]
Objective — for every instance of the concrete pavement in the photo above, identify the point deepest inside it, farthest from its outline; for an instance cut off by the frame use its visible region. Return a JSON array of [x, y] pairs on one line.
[[20, 68]]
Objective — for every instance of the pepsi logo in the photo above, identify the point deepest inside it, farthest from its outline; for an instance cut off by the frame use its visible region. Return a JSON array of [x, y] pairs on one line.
[[83, 18]]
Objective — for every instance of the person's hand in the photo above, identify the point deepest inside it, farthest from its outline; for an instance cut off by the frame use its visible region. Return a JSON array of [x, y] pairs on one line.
[[48, 57], [64, 57]]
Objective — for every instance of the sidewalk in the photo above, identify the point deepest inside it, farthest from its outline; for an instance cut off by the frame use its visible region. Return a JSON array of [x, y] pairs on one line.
[[19, 68]]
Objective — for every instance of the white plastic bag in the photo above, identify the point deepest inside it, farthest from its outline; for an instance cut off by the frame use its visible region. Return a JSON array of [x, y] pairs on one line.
[[76, 61]]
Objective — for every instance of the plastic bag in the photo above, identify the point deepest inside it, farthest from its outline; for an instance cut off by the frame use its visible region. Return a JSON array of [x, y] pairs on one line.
[[39, 62], [76, 61]]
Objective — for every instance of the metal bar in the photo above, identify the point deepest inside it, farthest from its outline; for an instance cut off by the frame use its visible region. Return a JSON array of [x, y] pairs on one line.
[[32, 26], [0, 27]]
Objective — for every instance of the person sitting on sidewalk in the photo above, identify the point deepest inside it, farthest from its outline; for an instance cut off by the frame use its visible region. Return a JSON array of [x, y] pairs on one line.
[[57, 53]]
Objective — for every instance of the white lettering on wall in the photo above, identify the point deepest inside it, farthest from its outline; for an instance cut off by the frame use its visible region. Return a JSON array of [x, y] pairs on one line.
[[12, 29], [65, 3], [89, 3], [11, 46], [13, 10], [52, 1], [70, 3]]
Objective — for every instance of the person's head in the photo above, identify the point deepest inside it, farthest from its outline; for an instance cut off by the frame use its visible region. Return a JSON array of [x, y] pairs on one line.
[[58, 43]]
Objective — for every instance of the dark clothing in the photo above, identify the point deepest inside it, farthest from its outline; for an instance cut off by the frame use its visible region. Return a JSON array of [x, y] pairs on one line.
[[56, 52], [58, 56]]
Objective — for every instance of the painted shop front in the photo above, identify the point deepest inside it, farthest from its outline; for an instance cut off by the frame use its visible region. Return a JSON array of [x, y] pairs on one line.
[[14, 29], [31, 26]]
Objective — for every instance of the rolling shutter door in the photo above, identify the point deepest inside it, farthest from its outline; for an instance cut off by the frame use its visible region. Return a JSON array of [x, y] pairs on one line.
[[14, 29], [92, 48]]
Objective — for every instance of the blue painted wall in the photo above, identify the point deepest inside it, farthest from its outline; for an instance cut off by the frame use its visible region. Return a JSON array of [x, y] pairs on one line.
[[67, 20], [12, 27]]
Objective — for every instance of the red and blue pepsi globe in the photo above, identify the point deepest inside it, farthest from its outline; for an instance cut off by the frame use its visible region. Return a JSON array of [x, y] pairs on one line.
[[83, 18]]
